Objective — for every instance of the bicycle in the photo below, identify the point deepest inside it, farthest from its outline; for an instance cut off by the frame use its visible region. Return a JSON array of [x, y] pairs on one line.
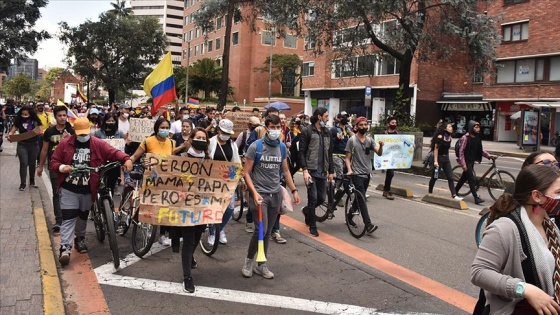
[[497, 182], [102, 208], [207, 248], [143, 234], [480, 227], [240, 192], [352, 211]]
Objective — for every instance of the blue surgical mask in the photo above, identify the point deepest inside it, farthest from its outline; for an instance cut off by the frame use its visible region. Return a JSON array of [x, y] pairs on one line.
[[164, 133], [322, 123], [83, 139]]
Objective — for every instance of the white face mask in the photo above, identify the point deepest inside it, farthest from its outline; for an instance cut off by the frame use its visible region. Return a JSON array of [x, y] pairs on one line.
[[224, 137], [125, 115], [274, 134]]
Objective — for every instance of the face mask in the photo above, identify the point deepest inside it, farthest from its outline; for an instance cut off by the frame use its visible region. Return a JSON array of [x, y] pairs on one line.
[[125, 115], [551, 205], [24, 117], [39, 109], [224, 137], [164, 133], [186, 116], [362, 130], [392, 127], [322, 123], [274, 134], [344, 121], [199, 145], [83, 139], [110, 124]]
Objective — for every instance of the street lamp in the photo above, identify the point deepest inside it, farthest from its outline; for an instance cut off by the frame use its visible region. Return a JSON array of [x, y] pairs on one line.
[[187, 79], [272, 32]]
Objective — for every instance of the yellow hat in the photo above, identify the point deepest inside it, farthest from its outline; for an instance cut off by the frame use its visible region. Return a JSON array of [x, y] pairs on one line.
[[81, 126]]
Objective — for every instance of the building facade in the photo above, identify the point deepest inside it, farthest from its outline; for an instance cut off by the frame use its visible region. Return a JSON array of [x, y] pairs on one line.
[[29, 67], [170, 16], [248, 51]]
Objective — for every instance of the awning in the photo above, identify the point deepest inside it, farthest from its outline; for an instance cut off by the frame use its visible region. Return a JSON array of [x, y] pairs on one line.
[[467, 106], [516, 115], [541, 104]]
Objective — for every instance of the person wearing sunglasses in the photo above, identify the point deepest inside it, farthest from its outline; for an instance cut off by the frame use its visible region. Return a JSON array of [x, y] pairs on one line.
[[541, 157]]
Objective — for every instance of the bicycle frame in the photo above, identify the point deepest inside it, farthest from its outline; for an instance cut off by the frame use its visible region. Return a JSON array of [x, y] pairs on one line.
[[493, 168]]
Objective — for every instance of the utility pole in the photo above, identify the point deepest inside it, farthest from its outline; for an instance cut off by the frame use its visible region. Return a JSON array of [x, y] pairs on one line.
[[272, 33], [187, 79]]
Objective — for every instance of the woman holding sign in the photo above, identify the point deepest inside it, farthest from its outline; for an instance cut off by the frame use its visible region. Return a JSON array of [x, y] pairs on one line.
[[158, 143], [109, 130], [27, 150]]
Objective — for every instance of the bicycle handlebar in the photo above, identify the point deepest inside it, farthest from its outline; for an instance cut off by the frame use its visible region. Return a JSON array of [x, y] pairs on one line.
[[99, 169]]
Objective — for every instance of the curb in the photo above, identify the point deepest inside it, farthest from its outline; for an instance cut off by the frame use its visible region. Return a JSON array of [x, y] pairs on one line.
[[53, 302], [445, 201], [403, 192]]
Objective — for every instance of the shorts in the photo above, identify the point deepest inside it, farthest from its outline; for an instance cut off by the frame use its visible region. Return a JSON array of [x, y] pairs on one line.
[[71, 200]]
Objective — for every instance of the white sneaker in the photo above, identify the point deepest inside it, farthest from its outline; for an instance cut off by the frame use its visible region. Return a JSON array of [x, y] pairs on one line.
[[263, 271], [247, 270], [457, 198], [211, 239], [249, 227], [223, 239], [164, 240]]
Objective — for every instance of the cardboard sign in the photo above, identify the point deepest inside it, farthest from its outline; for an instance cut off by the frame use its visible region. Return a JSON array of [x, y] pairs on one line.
[[240, 121], [180, 191], [27, 135], [116, 143], [398, 151], [140, 129]]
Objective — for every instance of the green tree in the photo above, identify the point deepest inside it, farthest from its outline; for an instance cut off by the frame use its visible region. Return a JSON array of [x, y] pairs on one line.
[[120, 9], [17, 22], [116, 51], [53, 74], [284, 68], [18, 86], [205, 75]]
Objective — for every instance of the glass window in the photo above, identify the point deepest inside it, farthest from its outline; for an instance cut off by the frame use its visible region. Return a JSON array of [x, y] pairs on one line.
[[308, 69], [191, 35], [196, 50], [507, 33], [515, 32], [290, 41], [187, 20], [506, 2], [184, 54], [210, 45], [219, 23], [197, 32], [366, 65], [235, 38], [266, 38], [186, 3], [555, 68], [190, 51], [506, 72], [202, 46], [539, 70], [218, 43], [525, 70]]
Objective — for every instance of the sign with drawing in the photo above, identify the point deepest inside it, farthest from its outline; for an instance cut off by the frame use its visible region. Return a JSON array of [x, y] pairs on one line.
[[398, 151]]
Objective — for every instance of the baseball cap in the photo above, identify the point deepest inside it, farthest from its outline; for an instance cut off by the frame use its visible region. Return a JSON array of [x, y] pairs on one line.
[[81, 126], [360, 119], [226, 126], [343, 113], [126, 106], [254, 121], [94, 111]]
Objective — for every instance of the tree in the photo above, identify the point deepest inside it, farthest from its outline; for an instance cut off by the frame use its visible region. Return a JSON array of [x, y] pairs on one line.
[[284, 68], [18, 86], [120, 9], [205, 75], [17, 20], [53, 74], [115, 51]]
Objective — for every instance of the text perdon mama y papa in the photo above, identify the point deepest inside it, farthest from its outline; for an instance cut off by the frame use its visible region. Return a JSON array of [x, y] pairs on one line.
[[181, 191]]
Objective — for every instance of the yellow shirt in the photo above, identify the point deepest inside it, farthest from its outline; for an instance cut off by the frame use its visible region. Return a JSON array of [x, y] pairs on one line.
[[152, 145], [46, 120]]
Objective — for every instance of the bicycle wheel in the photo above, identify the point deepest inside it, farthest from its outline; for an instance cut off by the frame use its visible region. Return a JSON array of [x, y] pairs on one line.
[[238, 211], [143, 236], [353, 214], [125, 209], [322, 212], [480, 227], [465, 189], [207, 248], [98, 223], [499, 182], [110, 225]]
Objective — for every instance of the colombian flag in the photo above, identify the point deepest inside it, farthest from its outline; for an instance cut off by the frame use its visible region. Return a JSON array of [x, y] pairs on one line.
[[193, 103], [81, 95], [160, 84]]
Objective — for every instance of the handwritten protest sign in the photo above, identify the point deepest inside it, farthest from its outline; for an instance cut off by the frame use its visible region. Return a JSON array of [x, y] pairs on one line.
[[240, 121], [398, 151], [26, 135], [140, 128], [116, 143], [180, 191]]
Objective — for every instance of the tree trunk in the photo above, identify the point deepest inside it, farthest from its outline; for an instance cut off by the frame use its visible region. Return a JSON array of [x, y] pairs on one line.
[[112, 95], [404, 77], [222, 97]]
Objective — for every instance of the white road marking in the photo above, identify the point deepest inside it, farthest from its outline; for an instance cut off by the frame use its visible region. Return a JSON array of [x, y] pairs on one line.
[[106, 275]]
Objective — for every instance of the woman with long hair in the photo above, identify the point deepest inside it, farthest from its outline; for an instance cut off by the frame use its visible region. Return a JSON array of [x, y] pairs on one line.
[[27, 150], [441, 142], [109, 128], [519, 254]]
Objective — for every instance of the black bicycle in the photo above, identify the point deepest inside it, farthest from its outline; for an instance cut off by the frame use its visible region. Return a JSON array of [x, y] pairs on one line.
[[352, 209], [102, 209], [497, 183], [240, 194], [210, 248]]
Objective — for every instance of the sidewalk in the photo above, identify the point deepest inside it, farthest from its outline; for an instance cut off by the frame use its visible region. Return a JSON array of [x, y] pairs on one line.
[[28, 276]]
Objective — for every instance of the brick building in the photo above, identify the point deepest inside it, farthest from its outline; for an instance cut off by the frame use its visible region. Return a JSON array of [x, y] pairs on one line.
[[57, 91], [248, 51]]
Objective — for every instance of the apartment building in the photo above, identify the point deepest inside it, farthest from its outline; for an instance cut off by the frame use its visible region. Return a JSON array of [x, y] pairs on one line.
[[29, 67], [248, 51], [170, 16]]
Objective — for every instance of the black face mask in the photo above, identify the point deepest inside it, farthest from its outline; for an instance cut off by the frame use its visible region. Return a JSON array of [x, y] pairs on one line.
[[362, 130], [199, 145], [344, 121]]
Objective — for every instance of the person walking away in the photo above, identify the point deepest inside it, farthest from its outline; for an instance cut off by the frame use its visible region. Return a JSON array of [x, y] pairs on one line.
[[340, 135], [315, 154], [27, 150], [223, 148], [359, 154], [77, 194], [158, 143], [518, 260], [263, 182], [441, 142], [389, 174], [471, 151], [51, 138]]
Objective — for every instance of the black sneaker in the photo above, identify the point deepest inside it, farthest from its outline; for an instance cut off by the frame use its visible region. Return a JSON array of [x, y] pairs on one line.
[[313, 231], [32, 184], [56, 228], [64, 257], [194, 264], [304, 211], [478, 200], [371, 228], [189, 285], [22, 187], [80, 243]]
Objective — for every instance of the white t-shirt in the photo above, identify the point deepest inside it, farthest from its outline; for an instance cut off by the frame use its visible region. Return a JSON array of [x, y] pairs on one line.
[[124, 126], [176, 127]]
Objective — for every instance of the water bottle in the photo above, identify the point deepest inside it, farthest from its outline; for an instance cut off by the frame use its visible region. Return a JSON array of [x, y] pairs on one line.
[[436, 172]]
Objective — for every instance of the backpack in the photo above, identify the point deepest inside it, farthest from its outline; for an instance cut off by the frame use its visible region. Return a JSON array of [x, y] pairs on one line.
[[259, 150], [243, 142], [458, 146], [252, 138]]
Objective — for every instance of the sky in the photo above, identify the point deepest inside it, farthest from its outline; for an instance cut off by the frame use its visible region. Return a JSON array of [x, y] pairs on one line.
[[51, 53]]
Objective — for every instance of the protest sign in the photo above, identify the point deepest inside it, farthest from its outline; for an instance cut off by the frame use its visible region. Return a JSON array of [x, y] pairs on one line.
[[27, 135], [398, 151], [140, 128], [116, 143], [240, 121], [180, 191]]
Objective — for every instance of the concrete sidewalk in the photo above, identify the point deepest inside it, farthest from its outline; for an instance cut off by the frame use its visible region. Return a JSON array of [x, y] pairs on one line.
[[29, 282]]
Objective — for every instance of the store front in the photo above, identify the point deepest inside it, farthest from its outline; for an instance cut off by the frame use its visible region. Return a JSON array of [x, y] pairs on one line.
[[507, 114], [459, 113]]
